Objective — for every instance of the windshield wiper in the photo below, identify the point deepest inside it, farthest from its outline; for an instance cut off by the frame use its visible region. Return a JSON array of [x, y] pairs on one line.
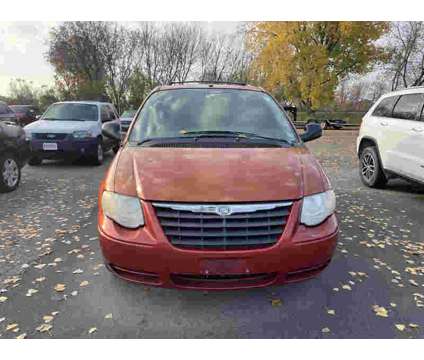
[[236, 134], [141, 142]]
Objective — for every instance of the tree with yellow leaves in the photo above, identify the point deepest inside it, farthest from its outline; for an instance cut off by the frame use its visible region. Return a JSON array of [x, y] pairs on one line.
[[305, 60]]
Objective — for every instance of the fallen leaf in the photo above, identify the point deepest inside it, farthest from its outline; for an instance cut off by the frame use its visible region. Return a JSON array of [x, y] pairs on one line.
[[60, 287], [74, 293], [44, 327], [39, 266], [400, 327], [276, 302], [93, 329], [325, 330], [11, 326], [47, 318], [346, 287], [40, 279], [77, 271], [3, 299], [413, 282], [84, 283], [108, 316], [380, 311], [22, 336], [414, 326], [331, 312], [31, 292]]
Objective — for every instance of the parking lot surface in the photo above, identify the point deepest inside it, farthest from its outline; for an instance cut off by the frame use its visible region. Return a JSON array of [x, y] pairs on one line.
[[53, 282]]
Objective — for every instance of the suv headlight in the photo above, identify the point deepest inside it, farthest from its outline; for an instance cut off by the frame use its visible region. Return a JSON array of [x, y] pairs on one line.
[[83, 134], [318, 207], [124, 210]]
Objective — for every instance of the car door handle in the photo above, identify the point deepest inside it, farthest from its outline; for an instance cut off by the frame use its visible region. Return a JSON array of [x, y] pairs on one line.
[[383, 123], [417, 129]]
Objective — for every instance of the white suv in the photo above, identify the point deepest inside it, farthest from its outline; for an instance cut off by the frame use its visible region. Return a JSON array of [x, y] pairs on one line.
[[391, 138]]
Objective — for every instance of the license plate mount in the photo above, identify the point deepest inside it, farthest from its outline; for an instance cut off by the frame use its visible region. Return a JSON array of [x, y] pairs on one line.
[[223, 266], [50, 146]]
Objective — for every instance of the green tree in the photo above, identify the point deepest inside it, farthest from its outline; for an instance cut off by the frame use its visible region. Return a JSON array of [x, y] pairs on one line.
[[309, 59]]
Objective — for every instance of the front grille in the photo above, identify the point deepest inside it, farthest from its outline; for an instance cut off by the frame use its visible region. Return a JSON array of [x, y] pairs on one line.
[[49, 136], [249, 226]]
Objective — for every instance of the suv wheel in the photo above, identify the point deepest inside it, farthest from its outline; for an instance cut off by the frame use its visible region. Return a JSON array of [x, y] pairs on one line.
[[10, 173], [370, 169], [97, 158]]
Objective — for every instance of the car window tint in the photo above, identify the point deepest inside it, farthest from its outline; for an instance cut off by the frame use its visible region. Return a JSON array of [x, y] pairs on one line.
[[407, 106], [385, 107]]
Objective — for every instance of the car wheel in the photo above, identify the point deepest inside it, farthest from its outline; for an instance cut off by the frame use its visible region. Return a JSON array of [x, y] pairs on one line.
[[99, 155], [370, 169], [34, 161], [10, 173]]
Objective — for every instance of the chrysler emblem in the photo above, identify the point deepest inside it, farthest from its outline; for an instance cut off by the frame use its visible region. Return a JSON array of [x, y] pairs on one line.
[[223, 210]]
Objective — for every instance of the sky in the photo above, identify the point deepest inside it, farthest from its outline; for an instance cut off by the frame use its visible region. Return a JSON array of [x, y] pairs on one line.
[[23, 45]]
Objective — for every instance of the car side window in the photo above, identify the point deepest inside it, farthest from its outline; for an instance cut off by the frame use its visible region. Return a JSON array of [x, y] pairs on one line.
[[408, 106], [105, 114], [385, 107], [112, 112]]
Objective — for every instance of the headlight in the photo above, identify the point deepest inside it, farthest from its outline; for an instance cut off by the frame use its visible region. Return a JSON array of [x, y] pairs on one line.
[[124, 210], [82, 134], [316, 208]]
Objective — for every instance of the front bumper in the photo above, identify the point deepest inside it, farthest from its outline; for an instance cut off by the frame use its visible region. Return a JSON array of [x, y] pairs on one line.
[[65, 148], [146, 256]]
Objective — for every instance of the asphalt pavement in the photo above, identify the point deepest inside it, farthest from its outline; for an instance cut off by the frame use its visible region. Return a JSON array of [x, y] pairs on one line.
[[53, 283]]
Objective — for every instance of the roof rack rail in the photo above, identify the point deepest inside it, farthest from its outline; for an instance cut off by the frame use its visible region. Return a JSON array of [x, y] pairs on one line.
[[208, 82]]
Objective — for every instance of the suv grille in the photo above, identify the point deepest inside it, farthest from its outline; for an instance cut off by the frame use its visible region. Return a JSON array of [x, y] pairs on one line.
[[49, 136], [248, 226]]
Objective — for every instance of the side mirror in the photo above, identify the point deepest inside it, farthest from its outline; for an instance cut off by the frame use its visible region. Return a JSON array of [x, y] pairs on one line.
[[313, 131], [112, 130]]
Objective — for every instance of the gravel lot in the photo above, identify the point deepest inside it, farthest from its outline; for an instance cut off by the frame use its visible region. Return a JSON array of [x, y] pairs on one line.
[[374, 287]]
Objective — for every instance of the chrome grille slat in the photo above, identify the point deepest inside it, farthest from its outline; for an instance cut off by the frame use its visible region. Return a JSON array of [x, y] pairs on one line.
[[251, 226]]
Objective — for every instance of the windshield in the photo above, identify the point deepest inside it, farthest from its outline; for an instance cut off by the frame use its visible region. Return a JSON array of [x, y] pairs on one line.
[[173, 113], [128, 113], [72, 112]]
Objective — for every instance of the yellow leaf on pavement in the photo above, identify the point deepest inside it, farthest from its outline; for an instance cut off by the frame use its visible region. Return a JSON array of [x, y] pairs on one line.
[[380, 311], [400, 327], [108, 316], [3, 299], [48, 318], [11, 326], [60, 287], [84, 283], [44, 327], [93, 329], [276, 302]]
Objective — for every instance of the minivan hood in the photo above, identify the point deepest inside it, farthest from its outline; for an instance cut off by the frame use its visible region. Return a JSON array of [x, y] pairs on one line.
[[216, 175], [57, 126]]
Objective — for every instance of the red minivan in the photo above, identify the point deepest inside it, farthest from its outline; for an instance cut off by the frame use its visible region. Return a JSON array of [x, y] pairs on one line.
[[213, 188]]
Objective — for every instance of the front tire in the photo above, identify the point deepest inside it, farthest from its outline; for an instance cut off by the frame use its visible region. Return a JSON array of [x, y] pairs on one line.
[[370, 169], [10, 173], [97, 158]]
